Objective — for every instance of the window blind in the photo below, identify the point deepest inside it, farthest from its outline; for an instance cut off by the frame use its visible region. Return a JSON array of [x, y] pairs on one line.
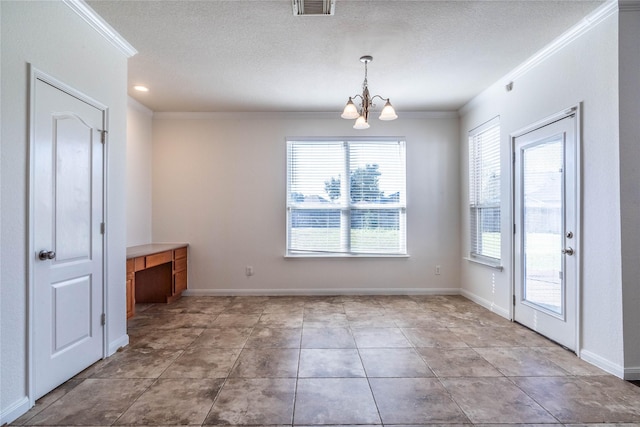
[[346, 197], [484, 191]]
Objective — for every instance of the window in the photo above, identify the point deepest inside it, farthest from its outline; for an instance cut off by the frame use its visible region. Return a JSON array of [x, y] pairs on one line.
[[484, 192], [346, 197]]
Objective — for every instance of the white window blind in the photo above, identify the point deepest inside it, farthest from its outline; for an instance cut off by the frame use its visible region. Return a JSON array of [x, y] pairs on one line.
[[484, 191], [346, 197]]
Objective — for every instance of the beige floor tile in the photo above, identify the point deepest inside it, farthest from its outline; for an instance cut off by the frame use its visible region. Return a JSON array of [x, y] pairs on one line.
[[137, 363], [163, 339], [95, 402], [495, 400], [380, 338], [520, 362], [223, 337], [414, 401], [457, 362], [325, 320], [585, 399], [274, 338], [479, 336], [568, 361], [394, 362], [280, 320], [266, 363], [327, 338], [326, 363], [263, 401], [173, 402], [46, 400], [433, 337], [236, 320], [335, 401], [203, 362]]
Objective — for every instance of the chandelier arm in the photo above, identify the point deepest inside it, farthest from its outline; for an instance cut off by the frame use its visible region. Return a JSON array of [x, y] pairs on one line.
[[378, 96]]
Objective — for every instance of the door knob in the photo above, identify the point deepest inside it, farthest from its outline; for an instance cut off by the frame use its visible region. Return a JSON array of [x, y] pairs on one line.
[[45, 255], [568, 251]]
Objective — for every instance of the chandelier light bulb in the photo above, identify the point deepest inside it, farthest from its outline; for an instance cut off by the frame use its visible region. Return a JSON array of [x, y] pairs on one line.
[[361, 123], [350, 110], [388, 113]]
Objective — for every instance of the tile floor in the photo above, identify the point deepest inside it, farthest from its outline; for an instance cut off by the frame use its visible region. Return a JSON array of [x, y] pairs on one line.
[[346, 360]]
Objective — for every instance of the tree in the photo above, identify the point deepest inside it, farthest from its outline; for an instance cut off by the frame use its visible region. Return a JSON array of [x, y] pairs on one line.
[[364, 185], [332, 187]]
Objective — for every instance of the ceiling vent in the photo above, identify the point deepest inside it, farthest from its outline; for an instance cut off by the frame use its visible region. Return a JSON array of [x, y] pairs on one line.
[[313, 7]]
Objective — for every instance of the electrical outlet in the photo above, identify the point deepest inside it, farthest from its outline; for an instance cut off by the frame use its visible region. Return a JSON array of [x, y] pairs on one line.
[[248, 270], [438, 269]]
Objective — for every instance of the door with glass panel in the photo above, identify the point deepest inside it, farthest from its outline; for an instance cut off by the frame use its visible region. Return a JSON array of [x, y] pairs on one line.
[[545, 232]]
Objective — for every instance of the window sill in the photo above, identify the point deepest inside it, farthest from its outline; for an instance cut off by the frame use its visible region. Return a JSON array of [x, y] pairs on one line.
[[485, 263], [344, 256]]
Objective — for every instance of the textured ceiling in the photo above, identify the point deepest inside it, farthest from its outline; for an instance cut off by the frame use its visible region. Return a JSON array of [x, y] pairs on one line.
[[254, 55]]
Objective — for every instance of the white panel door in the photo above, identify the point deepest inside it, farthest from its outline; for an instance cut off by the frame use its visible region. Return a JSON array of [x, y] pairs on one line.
[[68, 258], [545, 177]]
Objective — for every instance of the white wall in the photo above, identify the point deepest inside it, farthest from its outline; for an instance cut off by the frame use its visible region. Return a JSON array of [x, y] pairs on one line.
[[629, 87], [219, 184], [139, 166], [58, 42], [584, 71]]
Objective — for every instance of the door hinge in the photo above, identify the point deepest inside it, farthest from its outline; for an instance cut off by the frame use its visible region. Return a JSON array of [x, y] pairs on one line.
[[103, 136], [514, 229], [102, 228], [514, 300], [514, 156], [103, 319]]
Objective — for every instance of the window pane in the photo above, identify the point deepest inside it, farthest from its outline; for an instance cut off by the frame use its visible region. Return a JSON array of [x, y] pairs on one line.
[[314, 230], [377, 231], [311, 170], [484, 190], [377, 172]]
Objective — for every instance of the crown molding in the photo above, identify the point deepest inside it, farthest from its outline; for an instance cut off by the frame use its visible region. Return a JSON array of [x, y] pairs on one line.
[[601, 13], [289, 115], [96, 22], [586, 24]]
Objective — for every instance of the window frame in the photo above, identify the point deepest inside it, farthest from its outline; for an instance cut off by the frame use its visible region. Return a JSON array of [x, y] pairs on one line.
[[347, 206], [476, 206]]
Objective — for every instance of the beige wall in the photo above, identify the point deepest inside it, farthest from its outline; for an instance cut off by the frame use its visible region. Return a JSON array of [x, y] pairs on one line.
[[139, 166], [51, 37], [219, 184]]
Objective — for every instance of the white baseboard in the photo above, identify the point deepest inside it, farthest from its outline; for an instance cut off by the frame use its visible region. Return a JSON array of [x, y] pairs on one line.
[[13, 411], [123, 341], [313, 292], [605, 364], [486, 304]]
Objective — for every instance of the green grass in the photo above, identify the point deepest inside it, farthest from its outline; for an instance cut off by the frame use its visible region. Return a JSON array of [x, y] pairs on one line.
[[362, 239]]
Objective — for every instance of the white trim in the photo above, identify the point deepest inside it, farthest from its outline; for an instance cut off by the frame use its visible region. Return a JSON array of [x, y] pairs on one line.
[[586, 24], [271, 115], [489, 305], [116, 344], [136, 105], [602, 363], [319, 291], [16, 409], [101, 26]]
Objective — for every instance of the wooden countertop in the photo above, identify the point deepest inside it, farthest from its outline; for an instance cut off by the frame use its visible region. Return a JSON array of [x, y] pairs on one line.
[[152, 248]]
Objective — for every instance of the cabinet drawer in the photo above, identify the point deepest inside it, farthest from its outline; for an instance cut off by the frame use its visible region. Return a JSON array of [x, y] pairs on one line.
[[131, 265], [180, 253], [180, 281], [180, 264], [157, 259], [139, 263]]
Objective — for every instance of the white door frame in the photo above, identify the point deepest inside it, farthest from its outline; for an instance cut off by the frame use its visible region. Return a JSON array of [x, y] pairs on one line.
[[576, 111], [35, 75]]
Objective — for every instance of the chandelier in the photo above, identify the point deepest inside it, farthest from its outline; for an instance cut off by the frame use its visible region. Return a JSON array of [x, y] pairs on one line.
[[362, 115]]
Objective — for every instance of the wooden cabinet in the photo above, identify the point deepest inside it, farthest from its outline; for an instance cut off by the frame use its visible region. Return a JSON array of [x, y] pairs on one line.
[[156, 273], [131, 288]]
